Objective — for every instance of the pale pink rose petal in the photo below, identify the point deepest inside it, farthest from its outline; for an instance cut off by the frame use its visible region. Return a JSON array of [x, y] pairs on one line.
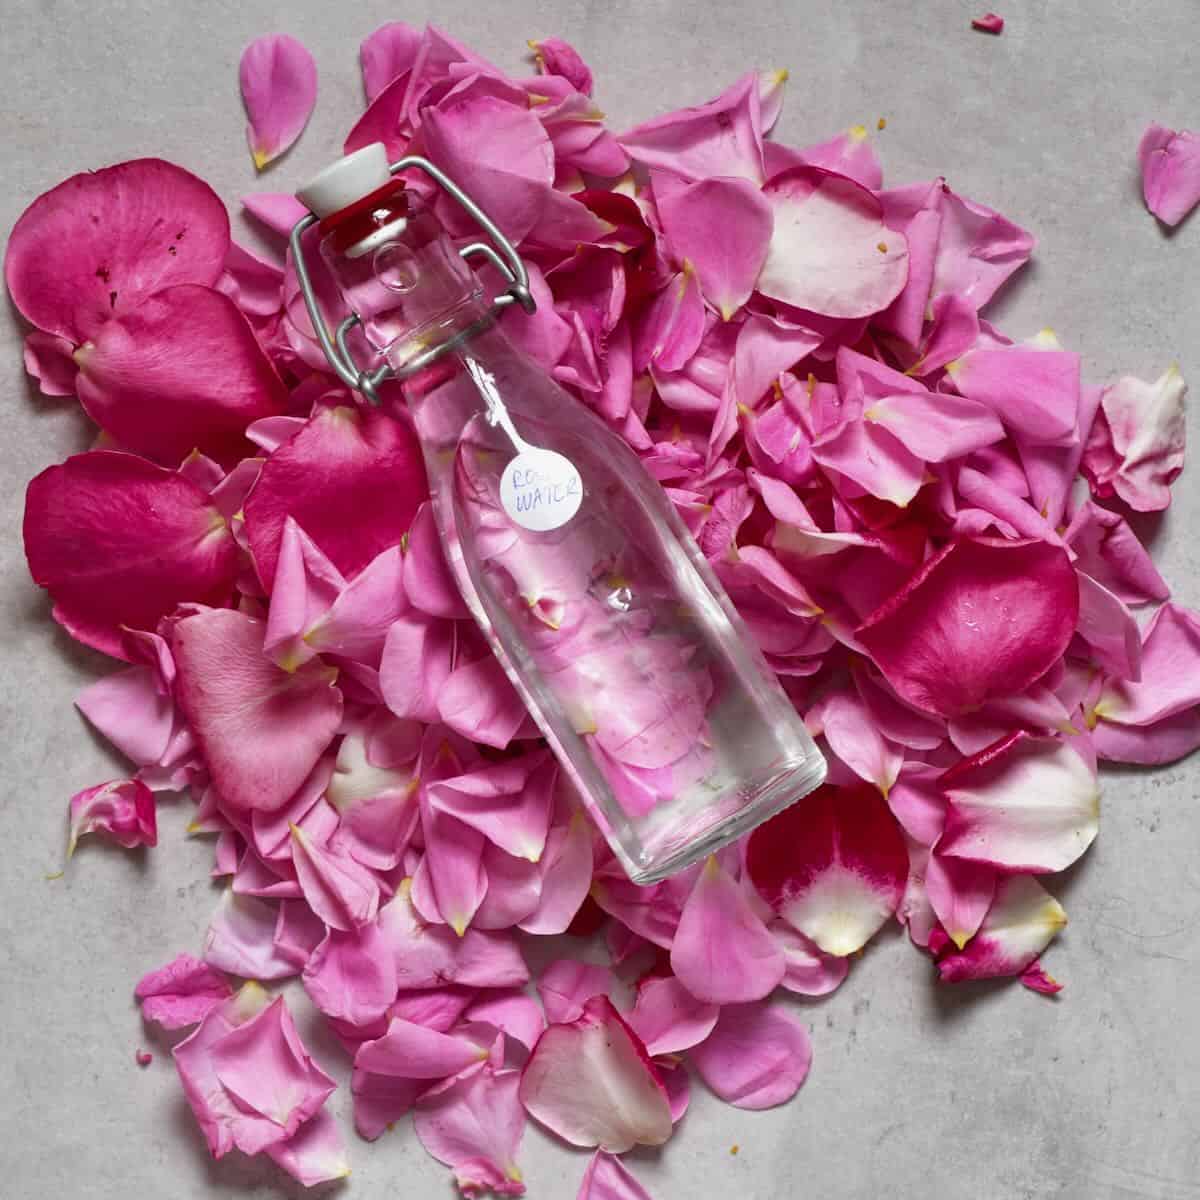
[[1025, 804], [668, 1018], [915, 912], [553, 56], [105, 568], [474, 1124], [1163, 741], [672, 325], [1023, 600], [389, 52], [351, 976], [1014, 516], [411, 1051], [1109, 629], [1170, 165], [305, 587], [352, 479], [278, 78], [342, 892], [97, 245], [241, 939], [1110, 552], [1022, 921], [606, 1178], [1136, 446], [567, 984], [1170, 677], [960, 893], [722, 952], [591, 1082], [181, 993], [765, 348], [478, 700], [132, 711], [757, 1056], [833, 866], [988, 23], [722, 137], [722, 227], [261, 730], [566, 866], [1036, 392], [873, 458], [513, 1013], [48, 359], [830, 251], [936, 426], [808, 970], [848, 727], [315, 1153], [122, 809], [181, 371]]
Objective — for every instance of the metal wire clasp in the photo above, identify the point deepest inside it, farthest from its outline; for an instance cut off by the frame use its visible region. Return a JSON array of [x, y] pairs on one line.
[[499, 251]]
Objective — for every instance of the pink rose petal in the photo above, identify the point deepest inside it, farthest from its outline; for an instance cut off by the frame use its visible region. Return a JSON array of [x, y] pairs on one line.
[[315, 1153], [241, 939], [757, 1056], [607, 1179], [411, 1051], [1109, 551], [592, 1083], [260, 729], [181, 993], [278, 78], [100, 243], [556, 57], [566, 877], [723, 953], [306, 585], [351, 976], [985, 617], [960, 892], [1170, 165], [566, 985], [122, 810], [48, 359], [387, 53], [120, 542], [847, 726], [830, 251], [808, 970], [342, 892], [668, 1017], [833, 866], [1026, 804]]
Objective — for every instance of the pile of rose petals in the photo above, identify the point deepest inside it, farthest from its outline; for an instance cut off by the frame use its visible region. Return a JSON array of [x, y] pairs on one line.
[[919, 517]]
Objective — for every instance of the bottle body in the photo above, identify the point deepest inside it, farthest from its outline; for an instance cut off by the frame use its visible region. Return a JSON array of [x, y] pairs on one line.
[[595, 599]]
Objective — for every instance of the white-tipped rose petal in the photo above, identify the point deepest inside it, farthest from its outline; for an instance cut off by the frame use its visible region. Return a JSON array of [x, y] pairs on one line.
[[1025, 803], [592, 1083]]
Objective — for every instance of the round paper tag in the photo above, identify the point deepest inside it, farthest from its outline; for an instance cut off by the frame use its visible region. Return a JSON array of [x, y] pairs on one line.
[[541, 489]]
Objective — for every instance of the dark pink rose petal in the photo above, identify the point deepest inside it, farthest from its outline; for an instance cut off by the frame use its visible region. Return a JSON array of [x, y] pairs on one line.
[[592, 1083], [260, 729], [985, 617], [48, 359], [757, 1056], [351, 478], [179, 994], [123, 810], [1170, 164], [833, 866], [182, 371], [278, 78], [117, 541], [100, 243], [988, 23]]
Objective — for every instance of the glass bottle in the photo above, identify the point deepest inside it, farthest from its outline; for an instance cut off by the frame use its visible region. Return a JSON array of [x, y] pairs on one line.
[[595, 599]]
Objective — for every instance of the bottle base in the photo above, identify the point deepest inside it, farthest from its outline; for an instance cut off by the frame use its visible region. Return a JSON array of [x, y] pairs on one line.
[[673, 847]]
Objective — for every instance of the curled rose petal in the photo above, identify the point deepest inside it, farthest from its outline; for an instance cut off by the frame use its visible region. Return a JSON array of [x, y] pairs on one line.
[[833, 866], [830, 252], [181, 371], [1136, 446], [808, 970], [1025, 803], [592, 1083], [757, 1056], [97, 245], [122, 810], [278, 78], [119, 542], [988, 23], [985, 617], [48, 359], [1022, 921], [179, 994], [556, 57], [351, 478], [1170, 164], [722, 952]]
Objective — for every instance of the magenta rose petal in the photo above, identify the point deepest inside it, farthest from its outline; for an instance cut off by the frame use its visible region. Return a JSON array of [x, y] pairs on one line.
[[391, 51], [1170, 165], [182, 992], [757, 1056], [48, 359], [592, 1083], [1023, 603], [123, 810], [833, 866], [278, 78]]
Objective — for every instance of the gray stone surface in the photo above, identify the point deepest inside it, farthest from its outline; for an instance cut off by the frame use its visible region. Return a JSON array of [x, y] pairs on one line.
[[985, 1093]]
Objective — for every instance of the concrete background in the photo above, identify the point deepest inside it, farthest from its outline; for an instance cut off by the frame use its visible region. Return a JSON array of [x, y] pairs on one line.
[[989, 1092]]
